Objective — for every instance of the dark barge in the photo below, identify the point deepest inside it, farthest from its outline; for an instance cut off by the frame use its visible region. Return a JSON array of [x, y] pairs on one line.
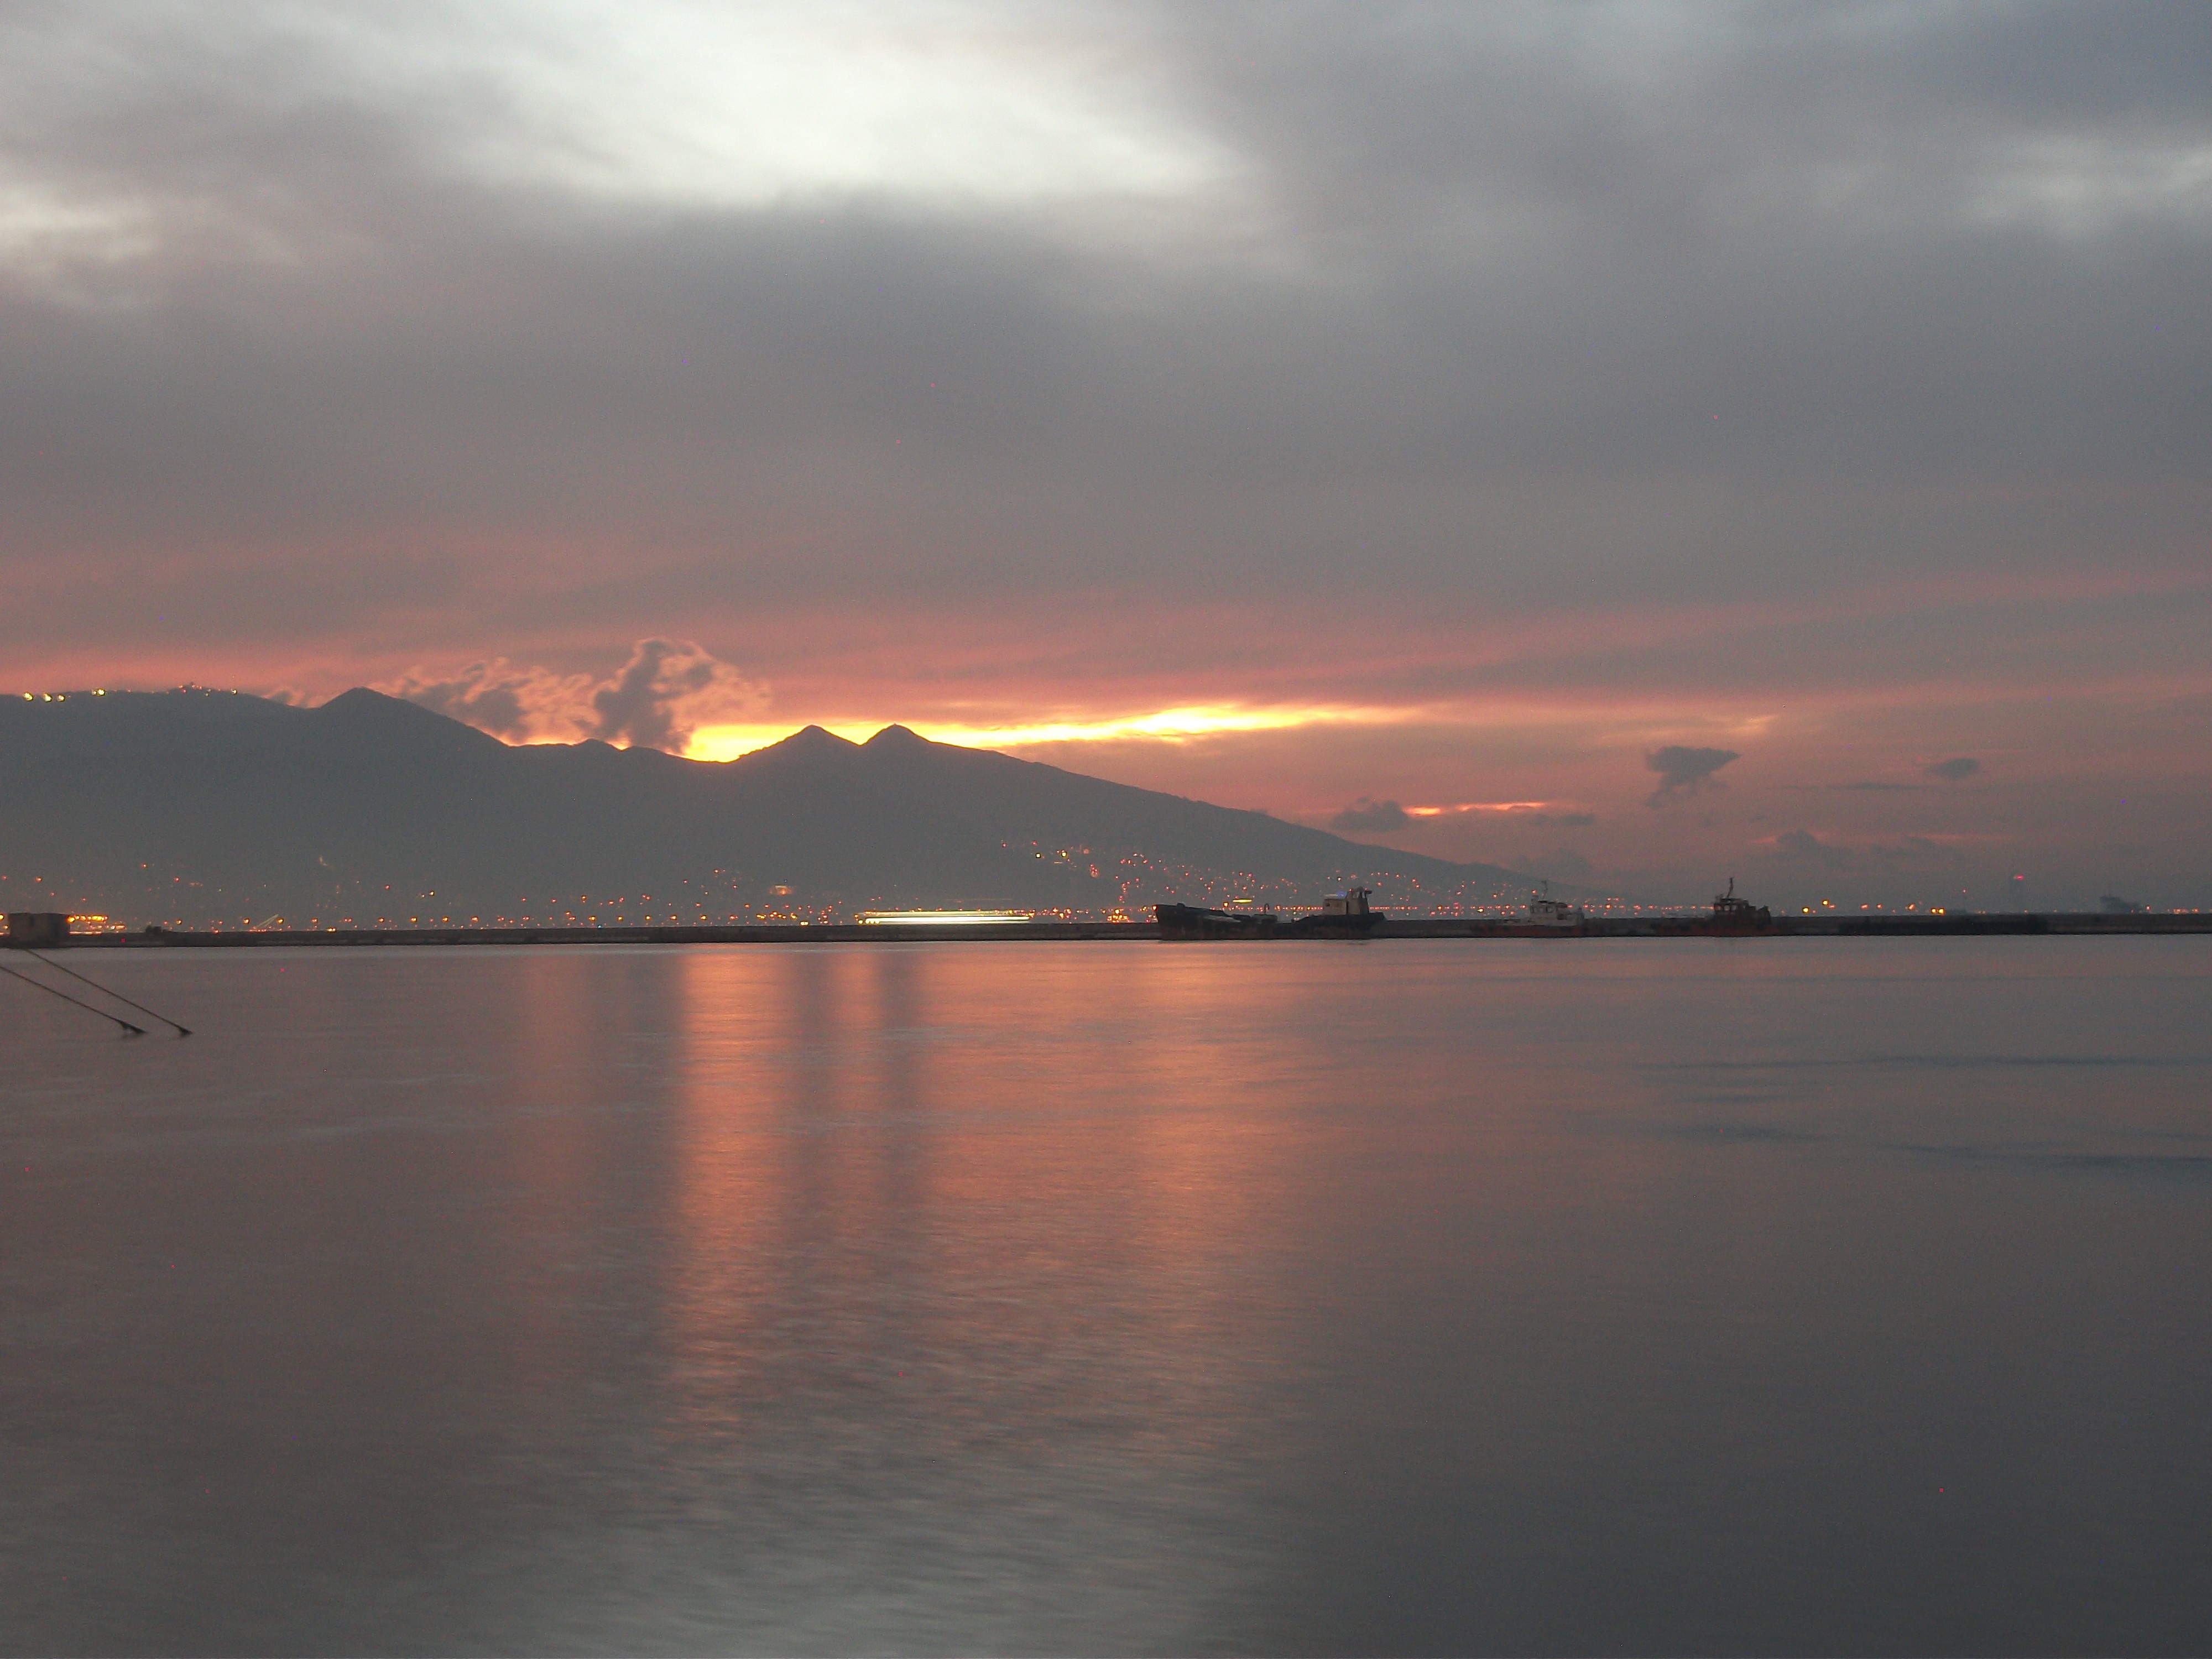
[[1342, 916]]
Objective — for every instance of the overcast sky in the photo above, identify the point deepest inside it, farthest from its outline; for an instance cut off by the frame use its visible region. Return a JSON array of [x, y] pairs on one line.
[[1468, 424]]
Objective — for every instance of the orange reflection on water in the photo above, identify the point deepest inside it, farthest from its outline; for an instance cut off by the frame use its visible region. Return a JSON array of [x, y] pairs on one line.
[[965, 1172]]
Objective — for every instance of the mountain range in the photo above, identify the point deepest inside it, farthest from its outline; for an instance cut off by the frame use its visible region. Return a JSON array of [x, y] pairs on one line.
[[196, 806]]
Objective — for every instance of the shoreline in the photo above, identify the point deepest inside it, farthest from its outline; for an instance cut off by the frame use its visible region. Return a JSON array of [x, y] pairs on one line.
[[2068, 924]]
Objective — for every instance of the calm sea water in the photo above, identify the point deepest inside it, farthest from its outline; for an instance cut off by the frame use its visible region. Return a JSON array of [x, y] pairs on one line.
[[1699, 1296]]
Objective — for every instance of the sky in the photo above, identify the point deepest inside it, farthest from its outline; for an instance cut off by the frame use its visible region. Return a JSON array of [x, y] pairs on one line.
[[1638, 444]]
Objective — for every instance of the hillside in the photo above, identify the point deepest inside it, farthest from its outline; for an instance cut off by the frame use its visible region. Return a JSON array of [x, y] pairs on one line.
[[196, 806]]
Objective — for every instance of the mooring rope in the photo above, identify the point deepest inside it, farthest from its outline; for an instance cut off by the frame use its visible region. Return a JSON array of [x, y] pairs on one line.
[[181, 1030], [129, 1029]]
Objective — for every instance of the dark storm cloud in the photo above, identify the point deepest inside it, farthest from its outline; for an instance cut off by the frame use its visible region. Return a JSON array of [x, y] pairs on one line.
[[641, 706], [1374, 817], [1955, 771], [1683, 771]]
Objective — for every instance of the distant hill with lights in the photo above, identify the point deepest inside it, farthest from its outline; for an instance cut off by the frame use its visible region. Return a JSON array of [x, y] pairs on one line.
[[199, 806]]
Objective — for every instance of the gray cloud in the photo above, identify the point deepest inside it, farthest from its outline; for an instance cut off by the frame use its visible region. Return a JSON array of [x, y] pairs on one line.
[[352, 321], [1955, 771], [1374, 817], [1802, 844], [1564, 820], [478, 695], [1684, 771]]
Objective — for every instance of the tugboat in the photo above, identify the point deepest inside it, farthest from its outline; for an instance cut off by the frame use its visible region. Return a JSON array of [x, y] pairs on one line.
[[1731, 916]]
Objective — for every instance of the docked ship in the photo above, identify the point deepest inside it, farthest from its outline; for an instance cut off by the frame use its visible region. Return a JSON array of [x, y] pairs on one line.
[[1342, 916], [1549, 918]]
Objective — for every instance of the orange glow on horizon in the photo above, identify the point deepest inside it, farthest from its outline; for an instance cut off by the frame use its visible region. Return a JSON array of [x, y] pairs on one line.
[[1477, 806]]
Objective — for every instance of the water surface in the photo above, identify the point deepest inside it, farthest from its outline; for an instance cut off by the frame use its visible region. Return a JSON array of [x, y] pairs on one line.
[[1584, 1296]]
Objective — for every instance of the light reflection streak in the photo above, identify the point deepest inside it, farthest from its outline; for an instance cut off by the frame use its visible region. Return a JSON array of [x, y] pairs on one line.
[[946, 918]]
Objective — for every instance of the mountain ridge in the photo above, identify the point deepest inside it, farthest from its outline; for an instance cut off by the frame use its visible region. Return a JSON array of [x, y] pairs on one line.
[[194, 805]]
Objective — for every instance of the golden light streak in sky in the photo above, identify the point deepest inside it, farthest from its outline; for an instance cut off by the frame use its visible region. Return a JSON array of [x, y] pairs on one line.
[[721, 743], [1476, 806]]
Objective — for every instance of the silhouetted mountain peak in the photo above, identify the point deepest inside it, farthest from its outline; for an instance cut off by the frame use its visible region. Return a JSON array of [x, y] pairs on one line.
[[361, 698], [810, 744], [897, 739], [362, 711]]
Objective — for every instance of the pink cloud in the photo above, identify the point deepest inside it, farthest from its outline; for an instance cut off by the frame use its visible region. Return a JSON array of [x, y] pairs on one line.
[[666, 690]]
